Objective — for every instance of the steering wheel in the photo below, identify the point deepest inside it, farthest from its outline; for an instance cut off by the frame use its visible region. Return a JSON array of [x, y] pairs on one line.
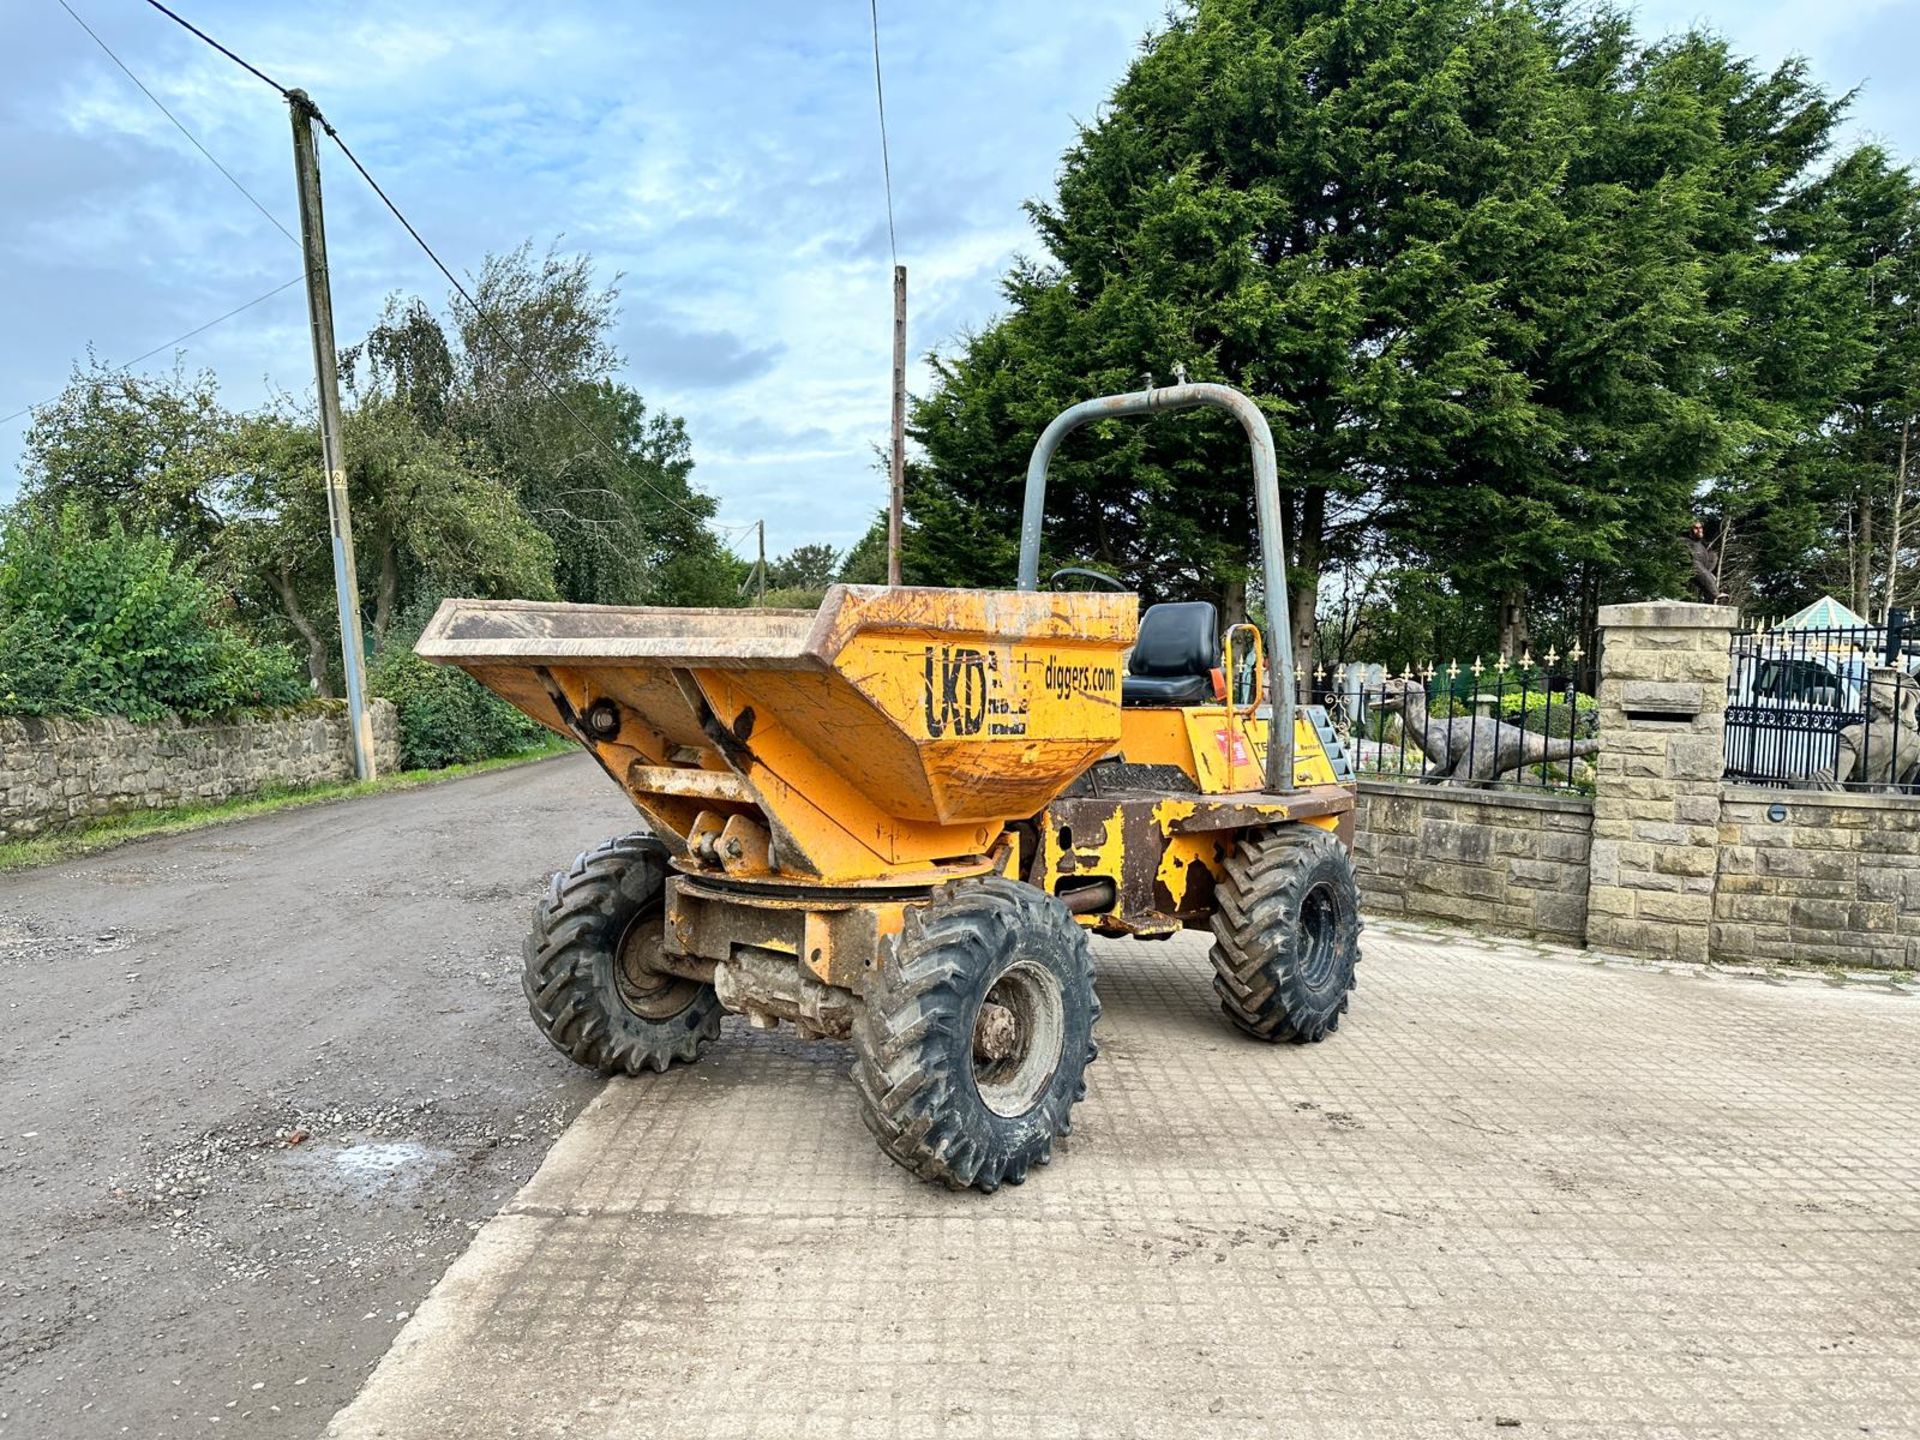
[[1081, 573]]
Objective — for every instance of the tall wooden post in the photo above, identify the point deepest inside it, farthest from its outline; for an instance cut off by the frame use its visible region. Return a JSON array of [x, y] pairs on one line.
[[898, 465], [763, 565], [346, 582]]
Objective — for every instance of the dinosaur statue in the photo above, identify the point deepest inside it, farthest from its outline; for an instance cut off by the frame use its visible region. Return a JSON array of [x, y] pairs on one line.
[[1884, 750], [1474, 749]]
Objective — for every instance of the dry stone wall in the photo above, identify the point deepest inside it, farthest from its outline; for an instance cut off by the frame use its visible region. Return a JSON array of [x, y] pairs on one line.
[[58, 774]]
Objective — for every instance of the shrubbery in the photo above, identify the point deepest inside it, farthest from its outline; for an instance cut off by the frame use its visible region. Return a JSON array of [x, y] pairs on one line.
[[101, 622], [445, 717]]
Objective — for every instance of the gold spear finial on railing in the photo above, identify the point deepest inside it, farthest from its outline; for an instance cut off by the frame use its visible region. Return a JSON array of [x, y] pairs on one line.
[[1340, 674], [1553, 657], [1453, 670], [1478, 668], [1526, 657], [1575, 653], [1429, 673], [1320, 674]]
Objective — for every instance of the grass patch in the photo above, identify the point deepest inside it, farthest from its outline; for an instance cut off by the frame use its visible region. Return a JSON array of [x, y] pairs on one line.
[[140, 824]]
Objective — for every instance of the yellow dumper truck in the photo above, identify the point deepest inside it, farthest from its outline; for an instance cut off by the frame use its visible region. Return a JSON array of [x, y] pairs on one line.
[[897, 819]]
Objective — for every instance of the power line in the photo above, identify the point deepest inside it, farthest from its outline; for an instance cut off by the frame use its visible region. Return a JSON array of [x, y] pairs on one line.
[[300, 101], [195, 29], [487, 320], [880, 98], [251, 197], [178, 340]]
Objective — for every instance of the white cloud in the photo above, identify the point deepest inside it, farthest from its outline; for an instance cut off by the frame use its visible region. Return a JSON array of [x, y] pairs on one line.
[[723, 157]]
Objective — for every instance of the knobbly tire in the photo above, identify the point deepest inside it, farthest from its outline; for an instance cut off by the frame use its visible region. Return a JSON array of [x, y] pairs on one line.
[[972, 1044], [1286, 928], [586, 979]]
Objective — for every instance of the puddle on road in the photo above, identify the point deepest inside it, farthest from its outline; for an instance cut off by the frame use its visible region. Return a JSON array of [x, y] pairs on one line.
[[372, 1169]]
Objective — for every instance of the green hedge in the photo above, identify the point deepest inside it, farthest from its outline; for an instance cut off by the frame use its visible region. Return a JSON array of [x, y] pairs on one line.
[[111, 623]]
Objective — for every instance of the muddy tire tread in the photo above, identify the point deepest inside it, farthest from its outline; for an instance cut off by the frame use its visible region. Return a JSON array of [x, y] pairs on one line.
[[902, 1036], [1256, 910], [584, 912]]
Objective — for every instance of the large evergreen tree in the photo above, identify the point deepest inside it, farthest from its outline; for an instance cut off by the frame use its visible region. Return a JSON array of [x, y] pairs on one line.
[[1510, 285]]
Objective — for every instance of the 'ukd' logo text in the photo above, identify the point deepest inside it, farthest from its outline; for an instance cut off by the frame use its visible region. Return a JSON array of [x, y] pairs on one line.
[[956, 691]]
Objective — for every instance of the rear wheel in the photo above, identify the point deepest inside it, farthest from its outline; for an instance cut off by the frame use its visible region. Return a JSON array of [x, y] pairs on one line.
[[589, 977], [975, 1033], [1286, 928]]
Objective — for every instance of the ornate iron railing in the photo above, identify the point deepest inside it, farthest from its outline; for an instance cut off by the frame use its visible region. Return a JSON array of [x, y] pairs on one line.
[[1507, 723], [1836, 707]]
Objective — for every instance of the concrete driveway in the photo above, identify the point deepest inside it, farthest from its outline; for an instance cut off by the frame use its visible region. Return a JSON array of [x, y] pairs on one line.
[[1519, 1193]]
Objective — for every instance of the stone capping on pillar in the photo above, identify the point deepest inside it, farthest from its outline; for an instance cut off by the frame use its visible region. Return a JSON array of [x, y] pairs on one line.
[[1656, 812]]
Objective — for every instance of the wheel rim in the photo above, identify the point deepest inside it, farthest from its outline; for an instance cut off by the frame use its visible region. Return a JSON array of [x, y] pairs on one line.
[[1319, 934], [1018, 1036], [645, 988]]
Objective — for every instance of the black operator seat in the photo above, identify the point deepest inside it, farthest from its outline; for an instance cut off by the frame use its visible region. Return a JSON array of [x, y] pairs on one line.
[[1174, 656]]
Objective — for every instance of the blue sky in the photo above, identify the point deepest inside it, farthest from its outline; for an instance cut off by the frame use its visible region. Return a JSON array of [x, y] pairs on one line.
[[723, 157]]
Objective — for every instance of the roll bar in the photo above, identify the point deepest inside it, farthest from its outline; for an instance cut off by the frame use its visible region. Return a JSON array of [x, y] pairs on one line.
[[1266, 504]]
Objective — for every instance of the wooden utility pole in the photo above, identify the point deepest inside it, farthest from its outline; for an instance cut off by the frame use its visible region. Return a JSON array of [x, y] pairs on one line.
[[898, 465], [346, 582], [762, 567]]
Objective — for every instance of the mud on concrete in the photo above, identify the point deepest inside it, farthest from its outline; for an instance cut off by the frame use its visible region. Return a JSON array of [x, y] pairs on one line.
[[260, 1085]]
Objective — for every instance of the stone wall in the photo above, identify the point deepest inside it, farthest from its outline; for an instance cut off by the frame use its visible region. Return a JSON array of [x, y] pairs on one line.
[[1834, 878], [57, 774], [1511, 862], [1667, 862]]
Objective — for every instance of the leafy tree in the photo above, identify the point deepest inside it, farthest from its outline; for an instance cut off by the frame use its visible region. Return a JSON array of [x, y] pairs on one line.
[[805, 567], [427, 520], [1515, 289], [1845, 482], [146, 450], [530, 385], [1314, 200], [97, 621]]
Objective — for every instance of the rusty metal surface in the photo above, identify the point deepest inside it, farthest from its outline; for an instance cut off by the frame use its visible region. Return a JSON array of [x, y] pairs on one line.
[[767, 988], [685, 781], [834, 940], [1256, 807], [535, 631]]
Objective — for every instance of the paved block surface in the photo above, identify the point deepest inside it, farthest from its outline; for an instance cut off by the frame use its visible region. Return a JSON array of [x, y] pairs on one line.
[[1519, 1193]]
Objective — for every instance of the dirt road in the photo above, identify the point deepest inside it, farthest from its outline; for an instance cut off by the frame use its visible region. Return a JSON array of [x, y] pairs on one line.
[[259, 1085]]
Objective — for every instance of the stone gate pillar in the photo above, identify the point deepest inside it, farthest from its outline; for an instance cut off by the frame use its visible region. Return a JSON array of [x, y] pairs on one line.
[[1656, 806]]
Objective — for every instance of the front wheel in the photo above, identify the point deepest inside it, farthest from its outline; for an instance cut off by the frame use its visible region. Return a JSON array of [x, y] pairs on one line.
[[1286, 928], [974, 1035], [588, 979]]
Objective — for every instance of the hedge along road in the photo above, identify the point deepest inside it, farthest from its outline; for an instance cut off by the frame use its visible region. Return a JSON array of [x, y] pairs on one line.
[[260, 1083]]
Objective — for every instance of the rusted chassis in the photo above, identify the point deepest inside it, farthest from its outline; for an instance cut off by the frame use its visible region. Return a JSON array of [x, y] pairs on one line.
[[1143, 865], [1146, 864]]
